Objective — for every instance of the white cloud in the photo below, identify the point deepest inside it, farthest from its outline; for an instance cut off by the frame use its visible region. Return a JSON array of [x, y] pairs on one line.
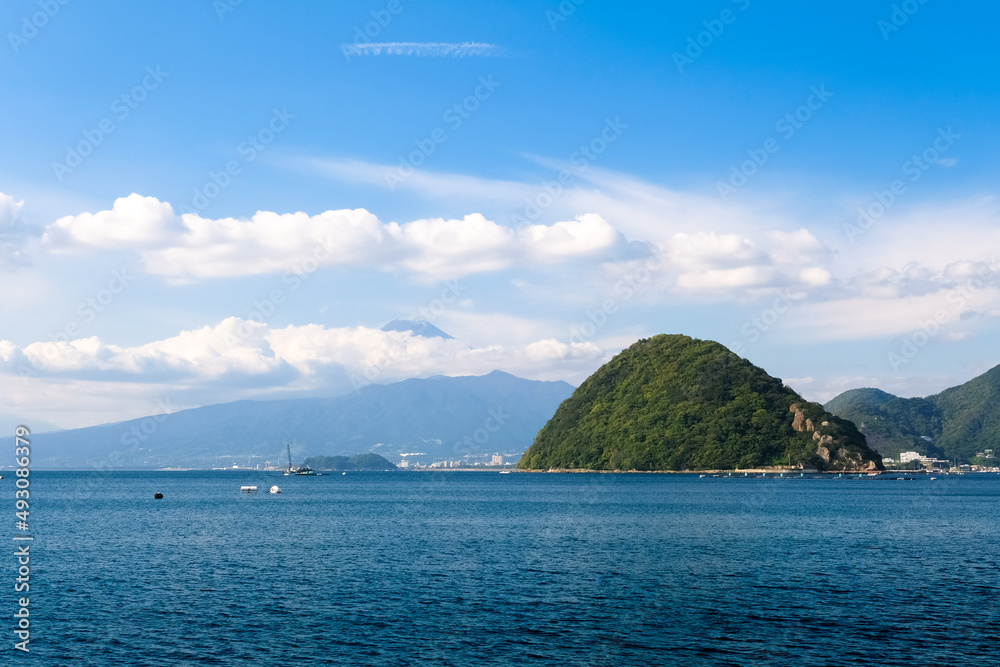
[[726, 279], [724, 249], [638, 209], [712, 251], [450, 248], [884, 317], [931, 235], [421, 49], [236, 358], [735, 264], [10, 211], [795, 246], [480, 328], [189, 247], [815, 276], [736, 249], [132, 222], [234, 348], [588, 235], [192, 247]]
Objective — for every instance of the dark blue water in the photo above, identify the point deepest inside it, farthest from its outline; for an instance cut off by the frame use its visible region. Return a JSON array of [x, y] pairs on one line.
[[456, 568]]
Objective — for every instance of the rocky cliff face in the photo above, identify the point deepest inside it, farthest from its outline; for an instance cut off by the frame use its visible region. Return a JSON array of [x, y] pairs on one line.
[[829, 447]]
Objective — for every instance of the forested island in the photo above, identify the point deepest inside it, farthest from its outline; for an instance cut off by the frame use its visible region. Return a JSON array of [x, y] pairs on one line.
[[675, 403], [367, 461]]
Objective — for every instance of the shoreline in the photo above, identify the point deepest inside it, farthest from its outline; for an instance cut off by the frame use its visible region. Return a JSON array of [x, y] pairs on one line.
[[748, 471]]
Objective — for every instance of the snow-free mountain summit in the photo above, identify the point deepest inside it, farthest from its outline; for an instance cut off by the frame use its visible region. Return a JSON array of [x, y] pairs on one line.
[[444, 417]]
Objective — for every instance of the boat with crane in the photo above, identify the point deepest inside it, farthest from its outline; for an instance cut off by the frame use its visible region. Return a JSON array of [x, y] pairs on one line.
[[292, 470]]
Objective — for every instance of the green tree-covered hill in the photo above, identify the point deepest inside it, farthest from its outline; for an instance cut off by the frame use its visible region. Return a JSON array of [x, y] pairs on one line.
[[672, 402], [366, 461], [954, 424]]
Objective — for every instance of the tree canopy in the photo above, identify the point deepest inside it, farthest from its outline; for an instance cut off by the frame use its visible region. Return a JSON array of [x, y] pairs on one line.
[[672, 402], [954, 424], [367, 461]]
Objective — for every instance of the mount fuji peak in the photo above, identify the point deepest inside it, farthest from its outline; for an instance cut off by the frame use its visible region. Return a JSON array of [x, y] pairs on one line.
[[417, 328]]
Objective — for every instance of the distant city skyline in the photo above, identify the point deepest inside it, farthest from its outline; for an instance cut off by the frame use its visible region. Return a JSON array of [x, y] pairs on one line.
[[222, 200]]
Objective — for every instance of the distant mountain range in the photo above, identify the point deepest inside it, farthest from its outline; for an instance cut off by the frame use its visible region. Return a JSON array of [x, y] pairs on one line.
[[956, 423], [9, 422], [442, 417]]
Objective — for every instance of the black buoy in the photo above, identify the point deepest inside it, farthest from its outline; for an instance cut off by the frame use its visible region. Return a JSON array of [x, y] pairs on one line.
[[158, 495]]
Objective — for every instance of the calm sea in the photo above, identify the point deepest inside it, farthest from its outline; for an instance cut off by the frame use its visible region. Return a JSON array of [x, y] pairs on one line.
[[456, 568]]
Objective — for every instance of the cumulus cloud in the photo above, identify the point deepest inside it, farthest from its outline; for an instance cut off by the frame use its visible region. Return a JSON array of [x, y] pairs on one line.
[[740, 249], [242, 353], [586, 236], [919, 280], [233, 350], [733, 263], [132, 222], [192, 247], [94, 381], [748, 262]]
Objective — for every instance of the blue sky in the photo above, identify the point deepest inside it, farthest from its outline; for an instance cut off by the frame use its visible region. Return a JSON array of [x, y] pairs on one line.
[[264, 186]]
